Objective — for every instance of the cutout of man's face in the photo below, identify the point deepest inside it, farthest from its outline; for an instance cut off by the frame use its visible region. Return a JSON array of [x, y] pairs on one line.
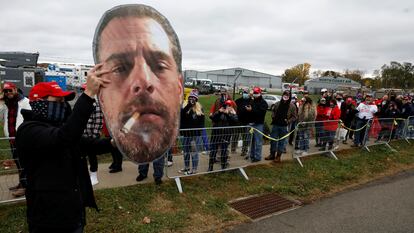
[[141, 104]]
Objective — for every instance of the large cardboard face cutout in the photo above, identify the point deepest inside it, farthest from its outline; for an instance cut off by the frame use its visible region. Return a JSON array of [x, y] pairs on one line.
[[141, 105]]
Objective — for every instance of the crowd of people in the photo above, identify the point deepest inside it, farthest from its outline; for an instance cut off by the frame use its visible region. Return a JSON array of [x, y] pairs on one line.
[[353, 115]]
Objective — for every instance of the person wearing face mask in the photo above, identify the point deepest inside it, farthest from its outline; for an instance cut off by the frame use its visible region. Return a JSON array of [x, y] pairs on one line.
[[330, 125], [320, 116], [366, 111], [12, 102], [221, 135], [257, 111], [387, 125], [53, 153], [244, 117], [306, 113], [348, 111], [283, 113], [382, 106], [192, 117], [339, 100]]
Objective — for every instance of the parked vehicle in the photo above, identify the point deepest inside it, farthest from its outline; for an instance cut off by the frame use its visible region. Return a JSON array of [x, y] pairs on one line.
[[217, 86], [271, 100]]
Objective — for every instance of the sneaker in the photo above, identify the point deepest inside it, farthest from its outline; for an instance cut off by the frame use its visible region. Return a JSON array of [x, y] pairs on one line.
[[94, 178], [298, 152], [304, 153], [140, 178], [354, 145], [194, 171], [184, 170], [188, 173], [269, 157], [19, 192], [169, 163]]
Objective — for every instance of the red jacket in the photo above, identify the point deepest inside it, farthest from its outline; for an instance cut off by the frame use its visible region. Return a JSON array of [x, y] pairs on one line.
[[332, 114], [321, 111]]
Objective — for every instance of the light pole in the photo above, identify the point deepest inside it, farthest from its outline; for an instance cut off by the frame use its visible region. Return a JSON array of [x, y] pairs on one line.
[[236, 76]]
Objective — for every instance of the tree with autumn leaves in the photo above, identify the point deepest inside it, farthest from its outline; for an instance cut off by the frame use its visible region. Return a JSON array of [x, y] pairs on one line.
[[300, 73]]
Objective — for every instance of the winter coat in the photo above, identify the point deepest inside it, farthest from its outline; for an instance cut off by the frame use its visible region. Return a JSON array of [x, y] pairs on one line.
[[58, 184], [221, 119], [306, 113], [242, 113], [258, 113], [332, 114], [291, 113], [190, 120], [348, 113], [23, 103], [321, 112]]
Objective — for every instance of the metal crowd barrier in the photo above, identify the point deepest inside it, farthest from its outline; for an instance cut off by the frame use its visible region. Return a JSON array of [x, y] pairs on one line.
[[9, 172], [208, 150], [409, 129], [316, 137], [380, 131]]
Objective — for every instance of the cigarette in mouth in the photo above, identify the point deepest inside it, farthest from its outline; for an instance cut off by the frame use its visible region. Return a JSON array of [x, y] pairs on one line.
[[131, 121]]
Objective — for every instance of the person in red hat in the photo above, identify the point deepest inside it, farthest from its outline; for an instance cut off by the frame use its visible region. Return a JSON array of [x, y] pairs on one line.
[[52, 151], [257, 111], [13, 103], [224, 117]]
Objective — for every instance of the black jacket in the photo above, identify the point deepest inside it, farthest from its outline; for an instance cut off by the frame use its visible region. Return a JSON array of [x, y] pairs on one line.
[[58, 183], [259, 108], [243, 115], [190, 120], [348, 113], [221, 119]]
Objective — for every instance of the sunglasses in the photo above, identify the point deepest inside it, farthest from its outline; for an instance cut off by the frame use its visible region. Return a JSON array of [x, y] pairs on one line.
[[7, 91]]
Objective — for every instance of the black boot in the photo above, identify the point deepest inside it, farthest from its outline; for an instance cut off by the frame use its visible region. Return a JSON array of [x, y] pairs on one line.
[[278, 158], [271, 156]]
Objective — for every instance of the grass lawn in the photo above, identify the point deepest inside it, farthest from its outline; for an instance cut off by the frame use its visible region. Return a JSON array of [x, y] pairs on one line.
[[203, 205]]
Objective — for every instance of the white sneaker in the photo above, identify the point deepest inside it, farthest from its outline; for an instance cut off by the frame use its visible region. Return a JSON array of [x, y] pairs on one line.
[[304, 153], [169, 163], [94, 178], [298, 152]]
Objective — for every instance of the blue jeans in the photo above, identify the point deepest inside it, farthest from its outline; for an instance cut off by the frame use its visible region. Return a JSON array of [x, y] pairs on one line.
[[158, 166], [361, 136], [187, 151], [303, 136], [278, 132], [256, 148]]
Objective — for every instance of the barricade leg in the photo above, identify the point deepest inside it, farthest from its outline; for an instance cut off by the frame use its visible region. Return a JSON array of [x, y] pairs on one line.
[[243, 172], [178, 183]]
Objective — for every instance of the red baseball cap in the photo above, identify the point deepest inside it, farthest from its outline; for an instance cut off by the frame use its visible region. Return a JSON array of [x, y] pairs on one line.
[[9, 86], [45, 89], [257, 90], [228, 103]]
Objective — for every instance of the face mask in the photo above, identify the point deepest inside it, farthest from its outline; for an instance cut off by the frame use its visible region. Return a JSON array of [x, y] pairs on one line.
[[256, 95], [245, 95], [285, 98], [339, 100], [191, 101], [293, 101], [50, 111]]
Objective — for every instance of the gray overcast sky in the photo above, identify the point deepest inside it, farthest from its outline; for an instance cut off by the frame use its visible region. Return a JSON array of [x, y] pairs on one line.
[[267, 36]]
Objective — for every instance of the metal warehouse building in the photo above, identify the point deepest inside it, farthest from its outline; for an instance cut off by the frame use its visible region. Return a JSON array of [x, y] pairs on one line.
[[246, 78], [315, 85]]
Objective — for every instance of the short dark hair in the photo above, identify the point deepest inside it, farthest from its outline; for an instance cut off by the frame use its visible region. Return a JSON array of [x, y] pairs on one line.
[[140, 11]]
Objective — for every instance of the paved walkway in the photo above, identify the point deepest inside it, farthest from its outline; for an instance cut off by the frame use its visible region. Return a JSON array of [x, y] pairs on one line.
[[128, 175], [386, 205]]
